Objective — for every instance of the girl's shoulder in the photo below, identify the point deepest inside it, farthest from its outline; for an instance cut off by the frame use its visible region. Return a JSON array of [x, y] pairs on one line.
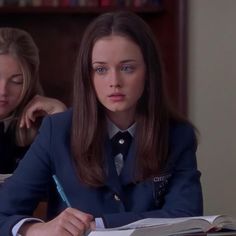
[[181, 131], [58, 122], [62, 117]]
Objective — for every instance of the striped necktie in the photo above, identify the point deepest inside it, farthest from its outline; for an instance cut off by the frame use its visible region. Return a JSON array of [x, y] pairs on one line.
[[120, 147]]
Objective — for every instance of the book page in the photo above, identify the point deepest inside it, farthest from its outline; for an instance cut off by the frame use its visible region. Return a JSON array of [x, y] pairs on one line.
[[165, 221], [108, 232], [225, 222], [165, 226]]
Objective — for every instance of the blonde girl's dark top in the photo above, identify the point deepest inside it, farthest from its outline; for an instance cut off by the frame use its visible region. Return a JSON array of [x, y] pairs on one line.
[[10, 153]]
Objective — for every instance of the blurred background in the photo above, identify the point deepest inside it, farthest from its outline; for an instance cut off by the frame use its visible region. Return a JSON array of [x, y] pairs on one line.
[[212, 98]]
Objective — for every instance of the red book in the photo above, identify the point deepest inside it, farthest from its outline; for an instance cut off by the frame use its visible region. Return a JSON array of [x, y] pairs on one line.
[[106, 3], [64, 3], [49, 3]]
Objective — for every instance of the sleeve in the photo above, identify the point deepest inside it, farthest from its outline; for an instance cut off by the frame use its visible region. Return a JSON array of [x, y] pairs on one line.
[[21, 193], [99, 223], [184, 195], [16, 227]]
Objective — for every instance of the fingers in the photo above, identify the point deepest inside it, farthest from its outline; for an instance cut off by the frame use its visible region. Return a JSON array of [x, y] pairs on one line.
[[92, 225], [40, 106], [31, 111], [74, 221], [71, 222], [82, 216]]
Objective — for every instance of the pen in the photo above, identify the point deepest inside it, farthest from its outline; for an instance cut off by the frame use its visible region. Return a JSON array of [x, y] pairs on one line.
[[63, 196], [61, 191]]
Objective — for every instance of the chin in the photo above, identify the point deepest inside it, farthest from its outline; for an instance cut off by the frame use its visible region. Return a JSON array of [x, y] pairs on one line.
[[114, 109], [5, 112]]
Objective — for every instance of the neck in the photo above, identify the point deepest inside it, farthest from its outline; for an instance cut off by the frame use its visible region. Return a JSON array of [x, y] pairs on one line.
[[121, 120]]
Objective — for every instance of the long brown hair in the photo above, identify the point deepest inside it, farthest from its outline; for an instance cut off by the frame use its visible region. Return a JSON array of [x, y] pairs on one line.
[[153, 113], [20, 45]]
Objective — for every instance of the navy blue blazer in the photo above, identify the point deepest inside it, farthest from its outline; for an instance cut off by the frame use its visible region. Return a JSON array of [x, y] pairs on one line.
[[175, 194]]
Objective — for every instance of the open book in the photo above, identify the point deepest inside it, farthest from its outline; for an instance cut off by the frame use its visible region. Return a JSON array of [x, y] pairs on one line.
[[170, 226]]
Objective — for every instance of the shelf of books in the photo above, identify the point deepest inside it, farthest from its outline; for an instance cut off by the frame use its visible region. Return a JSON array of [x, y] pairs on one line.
[[61, 23], [78, 6]]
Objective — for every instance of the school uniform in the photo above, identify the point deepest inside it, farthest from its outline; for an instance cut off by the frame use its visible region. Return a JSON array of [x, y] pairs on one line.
[[176, 193], [10, 153]]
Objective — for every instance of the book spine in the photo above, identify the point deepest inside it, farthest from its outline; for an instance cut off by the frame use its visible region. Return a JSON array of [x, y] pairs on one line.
[[11, 3], [36, 3], [73, 3], [105, 3], [49, 3], [64, 3], [92, 3]]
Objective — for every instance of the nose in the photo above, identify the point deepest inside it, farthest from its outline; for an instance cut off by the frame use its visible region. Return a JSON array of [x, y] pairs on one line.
[[115, 79], [3, 88]]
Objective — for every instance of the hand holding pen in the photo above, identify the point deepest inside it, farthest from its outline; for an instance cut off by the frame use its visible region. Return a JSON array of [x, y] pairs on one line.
[[65, 199], [69, 222]]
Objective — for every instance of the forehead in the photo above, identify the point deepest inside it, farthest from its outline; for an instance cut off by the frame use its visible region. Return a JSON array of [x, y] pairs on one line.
[[9, 64], [115, 46]]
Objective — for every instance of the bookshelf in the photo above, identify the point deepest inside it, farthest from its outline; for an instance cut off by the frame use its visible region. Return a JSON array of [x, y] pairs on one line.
[[58, 30], [74, 10]]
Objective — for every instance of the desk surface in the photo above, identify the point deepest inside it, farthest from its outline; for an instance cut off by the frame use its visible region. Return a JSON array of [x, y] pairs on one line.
[[233, 233], [220, 233]]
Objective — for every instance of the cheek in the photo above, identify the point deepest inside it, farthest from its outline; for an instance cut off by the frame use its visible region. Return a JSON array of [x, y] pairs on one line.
[[138, 88], [99, 87], [16, 94]]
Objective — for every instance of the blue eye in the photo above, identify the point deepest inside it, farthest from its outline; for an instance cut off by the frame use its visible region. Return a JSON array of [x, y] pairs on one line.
[[100, 70], [127, 68]]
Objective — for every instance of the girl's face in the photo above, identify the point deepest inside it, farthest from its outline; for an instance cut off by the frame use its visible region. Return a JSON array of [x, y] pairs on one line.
[[118, 75], [11, 85]]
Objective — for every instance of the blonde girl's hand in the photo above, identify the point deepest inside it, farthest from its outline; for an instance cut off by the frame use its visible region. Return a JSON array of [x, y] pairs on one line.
[[71, 222], [40, 106]]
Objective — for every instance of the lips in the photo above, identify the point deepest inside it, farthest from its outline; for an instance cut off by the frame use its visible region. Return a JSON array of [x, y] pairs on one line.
[[116, 97], [3, 102]]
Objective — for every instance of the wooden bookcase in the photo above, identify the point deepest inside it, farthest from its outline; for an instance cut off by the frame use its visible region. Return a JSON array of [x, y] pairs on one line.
[[58, 31]]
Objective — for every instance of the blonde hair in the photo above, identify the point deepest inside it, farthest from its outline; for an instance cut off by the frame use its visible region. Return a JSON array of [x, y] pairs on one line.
[[20, 45]]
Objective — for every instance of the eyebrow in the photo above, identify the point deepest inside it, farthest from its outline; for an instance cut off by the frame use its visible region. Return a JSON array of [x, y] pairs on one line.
[[124, 61], [98, 62], [16, 75]]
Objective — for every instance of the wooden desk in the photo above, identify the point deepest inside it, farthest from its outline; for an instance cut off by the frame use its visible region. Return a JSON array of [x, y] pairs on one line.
[[41, 211]]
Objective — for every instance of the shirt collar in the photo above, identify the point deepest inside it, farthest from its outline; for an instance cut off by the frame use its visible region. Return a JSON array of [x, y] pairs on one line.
[[113, 129], [6, 122]]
